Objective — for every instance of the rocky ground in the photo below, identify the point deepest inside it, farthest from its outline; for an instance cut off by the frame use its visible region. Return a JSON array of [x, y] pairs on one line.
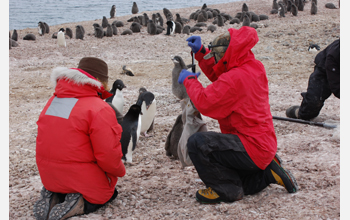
[[155, 186]]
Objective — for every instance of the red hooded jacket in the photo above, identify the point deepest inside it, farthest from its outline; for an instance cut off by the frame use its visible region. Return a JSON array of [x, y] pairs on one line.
[[78, 143], [238, 96]]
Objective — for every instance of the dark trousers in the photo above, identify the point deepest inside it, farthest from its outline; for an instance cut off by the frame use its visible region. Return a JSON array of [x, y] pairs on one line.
[[89, 207], [318, 91], [224, 165]]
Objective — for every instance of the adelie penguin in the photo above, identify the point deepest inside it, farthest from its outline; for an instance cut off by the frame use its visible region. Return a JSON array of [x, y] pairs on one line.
[[127, 71], [117, 99], [131, 126], [41, 28], [170, 27], [148, 105], [61, 39]]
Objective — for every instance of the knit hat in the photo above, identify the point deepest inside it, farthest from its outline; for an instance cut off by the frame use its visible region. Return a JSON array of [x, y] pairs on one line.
[[95, 67], [219, 46]]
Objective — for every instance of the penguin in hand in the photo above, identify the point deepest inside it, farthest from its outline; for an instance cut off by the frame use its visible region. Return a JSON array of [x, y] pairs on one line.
[[147, 102], [131, 126], [179, 90], [117, 99]]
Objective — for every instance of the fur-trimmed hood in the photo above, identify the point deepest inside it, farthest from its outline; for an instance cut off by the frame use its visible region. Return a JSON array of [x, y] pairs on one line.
[[86, 85], [75, 75]]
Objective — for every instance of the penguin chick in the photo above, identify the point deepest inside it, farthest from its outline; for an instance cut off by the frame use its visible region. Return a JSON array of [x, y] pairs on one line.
[[127, 71], [104, 22], [131, 132], [179, 90], [117, 99], [246, 21], [69, 33], [281, 11], [211, 28], [173, 138], [134, 9], [61, 40], [148, 105], [186, 30], [79, 32], [313, 8], [112, 13], [14, 35]]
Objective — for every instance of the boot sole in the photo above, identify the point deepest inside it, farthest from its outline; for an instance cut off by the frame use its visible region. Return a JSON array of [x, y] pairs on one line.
[[61, 210], [42, 206]]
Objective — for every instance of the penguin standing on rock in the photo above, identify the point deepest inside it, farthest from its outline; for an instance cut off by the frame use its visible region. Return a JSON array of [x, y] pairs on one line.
[[131, 126], [61, 39], [117, 99], [148, 105]]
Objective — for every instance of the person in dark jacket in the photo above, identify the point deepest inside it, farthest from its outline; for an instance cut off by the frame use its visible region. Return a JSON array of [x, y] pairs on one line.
[[242, 159], [324, 81], [78, 150]]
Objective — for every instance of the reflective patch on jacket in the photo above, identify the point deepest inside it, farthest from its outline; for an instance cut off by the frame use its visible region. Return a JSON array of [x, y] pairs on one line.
[[61, 107]]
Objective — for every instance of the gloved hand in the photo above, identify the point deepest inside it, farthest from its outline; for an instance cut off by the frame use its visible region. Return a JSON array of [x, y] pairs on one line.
[[195, 43], [184, 74]]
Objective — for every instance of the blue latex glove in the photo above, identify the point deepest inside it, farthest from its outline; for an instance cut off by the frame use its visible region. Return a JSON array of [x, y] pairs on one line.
[[184, 74], [195, 43]]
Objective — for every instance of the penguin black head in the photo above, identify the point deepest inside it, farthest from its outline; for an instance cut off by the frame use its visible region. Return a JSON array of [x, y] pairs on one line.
[[96, 25], [135, 110], [314, 47], [142, 89], [146, 97], [118, 84], [61, 29], [170, 27]]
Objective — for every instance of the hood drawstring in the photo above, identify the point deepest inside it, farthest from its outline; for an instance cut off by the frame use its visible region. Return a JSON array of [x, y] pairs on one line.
[[225, 62]]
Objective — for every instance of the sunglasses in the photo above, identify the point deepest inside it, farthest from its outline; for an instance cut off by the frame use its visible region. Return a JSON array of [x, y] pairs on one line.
[[210, 46]]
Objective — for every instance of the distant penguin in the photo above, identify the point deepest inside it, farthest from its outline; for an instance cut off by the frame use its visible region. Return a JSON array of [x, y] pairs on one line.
[[178, 27], [104, 22], [112, 13], [79, 32], [160, 19], [289, 5], [263, 17], [313, 8], [41, 28], [148, 105], [245, 7], [178, 18], [135, 27], [301, 5], [151, 27], [118, 23], [172, 140], [127, 71], [235, 21], [179, 90], [117, 99], [193, 29], [246, 21], [313, 48], [170, 27], [134, 9], [294, 10], [274, 5], [61, 39], [146, 19], [211, 28], [186, 30], [168, 15], [69, 33], [315, 1], [200, 18], [330, 6], [131, 126], [109, 32], [13, 43], [14, 35], [126, 32], [98, 31], [118, 115], [114, 29], [29, 36], [220, 21], [47, 28], [281, 11]]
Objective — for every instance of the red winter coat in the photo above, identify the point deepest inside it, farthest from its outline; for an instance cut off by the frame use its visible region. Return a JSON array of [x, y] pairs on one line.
[[78, 143], [238, 96]]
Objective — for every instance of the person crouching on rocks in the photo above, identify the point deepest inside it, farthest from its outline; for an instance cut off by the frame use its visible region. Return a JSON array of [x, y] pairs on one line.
[[78, 150], [242, 159]]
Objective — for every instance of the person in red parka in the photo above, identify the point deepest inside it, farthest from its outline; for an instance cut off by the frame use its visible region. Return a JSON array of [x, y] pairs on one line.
[[78, 150], [242, 159]]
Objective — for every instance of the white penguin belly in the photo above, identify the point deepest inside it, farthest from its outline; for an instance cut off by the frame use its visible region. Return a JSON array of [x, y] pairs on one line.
[[139, 128], [118, 101], [60, 39], [128, 155], [147, 115]]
